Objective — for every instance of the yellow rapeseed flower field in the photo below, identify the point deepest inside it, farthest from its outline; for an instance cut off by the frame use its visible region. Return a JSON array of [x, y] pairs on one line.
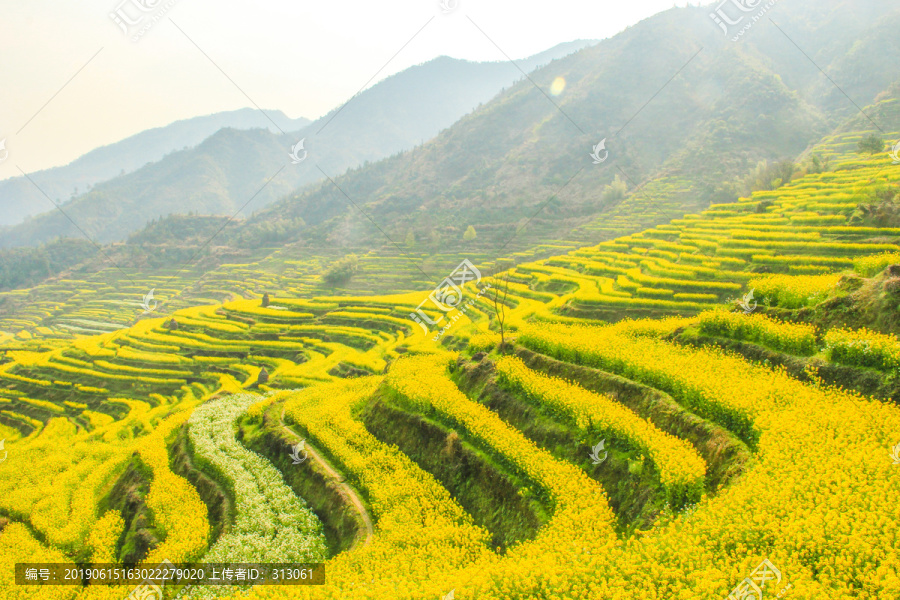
[[817, 495], [681, 468]]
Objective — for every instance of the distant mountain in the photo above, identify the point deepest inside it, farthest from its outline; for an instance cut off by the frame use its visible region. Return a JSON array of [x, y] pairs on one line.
[[684, 111], [230, 167], [19, 198]]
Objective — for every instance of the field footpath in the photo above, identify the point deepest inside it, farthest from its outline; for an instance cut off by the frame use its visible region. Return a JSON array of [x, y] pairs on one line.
[[345, 488]]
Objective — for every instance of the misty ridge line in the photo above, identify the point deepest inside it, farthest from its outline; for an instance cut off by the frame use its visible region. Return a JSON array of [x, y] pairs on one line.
[[114, 163]]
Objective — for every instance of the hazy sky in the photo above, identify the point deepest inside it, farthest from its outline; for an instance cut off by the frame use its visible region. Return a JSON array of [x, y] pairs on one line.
[[300, 56]]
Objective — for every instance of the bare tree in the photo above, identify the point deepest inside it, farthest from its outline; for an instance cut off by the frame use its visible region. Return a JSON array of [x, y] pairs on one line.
[[497, 295]]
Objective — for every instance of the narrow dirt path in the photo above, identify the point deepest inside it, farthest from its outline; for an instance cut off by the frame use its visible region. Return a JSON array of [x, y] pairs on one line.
[[348, 491]]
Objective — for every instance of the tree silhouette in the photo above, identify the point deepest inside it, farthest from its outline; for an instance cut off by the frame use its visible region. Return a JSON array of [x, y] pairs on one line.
[[871, 144], [497, 295]]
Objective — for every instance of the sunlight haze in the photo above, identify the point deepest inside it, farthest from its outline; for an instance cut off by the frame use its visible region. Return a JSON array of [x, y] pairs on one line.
[[303, 58]]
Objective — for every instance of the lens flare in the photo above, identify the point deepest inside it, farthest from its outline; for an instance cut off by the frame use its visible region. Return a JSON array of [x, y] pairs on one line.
[[558, 85]]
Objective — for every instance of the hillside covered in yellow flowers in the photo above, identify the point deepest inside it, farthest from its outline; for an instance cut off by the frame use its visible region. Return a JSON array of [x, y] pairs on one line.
[[656, 416]]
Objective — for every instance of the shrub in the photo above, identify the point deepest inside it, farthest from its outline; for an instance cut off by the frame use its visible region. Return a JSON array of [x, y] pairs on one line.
[[870, 144], [793, 338], [863, 348], [341, 271], [794, 291], [869, 266]]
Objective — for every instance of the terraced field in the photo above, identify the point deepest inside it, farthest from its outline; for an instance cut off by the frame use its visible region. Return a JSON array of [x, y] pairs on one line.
[[110, 297], [448, 460], [698, 261]]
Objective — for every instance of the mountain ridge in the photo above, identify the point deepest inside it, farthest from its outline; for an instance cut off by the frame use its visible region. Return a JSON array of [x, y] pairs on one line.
[[19, 199], [393, 115]]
